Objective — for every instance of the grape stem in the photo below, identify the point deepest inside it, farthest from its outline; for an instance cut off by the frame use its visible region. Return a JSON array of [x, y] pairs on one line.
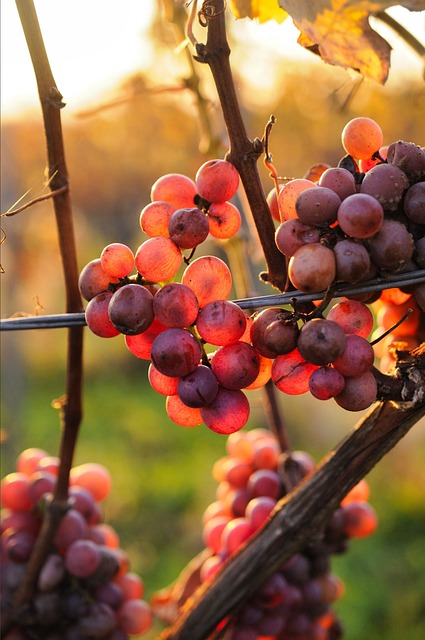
[[243, 152], [298, 517], [71, 405]]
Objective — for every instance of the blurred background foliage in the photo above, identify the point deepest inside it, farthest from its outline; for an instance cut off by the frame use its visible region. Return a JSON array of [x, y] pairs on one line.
[[162, 473]]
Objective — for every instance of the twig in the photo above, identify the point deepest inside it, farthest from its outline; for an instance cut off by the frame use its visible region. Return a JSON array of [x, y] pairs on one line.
[[46, 196]]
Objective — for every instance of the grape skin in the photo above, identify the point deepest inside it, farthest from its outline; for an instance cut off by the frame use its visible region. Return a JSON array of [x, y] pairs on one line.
[[391, 247], [293, 234], [353, 316], [326, 382], [174, 188], [154, 219], [209, 278], [387, 184], [312, 268]]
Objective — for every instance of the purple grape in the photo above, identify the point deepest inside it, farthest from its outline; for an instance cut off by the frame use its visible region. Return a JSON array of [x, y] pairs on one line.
[[414, 203], [281, 335], [98, 622], [321, 341], [82, 558], [409, 158], [325, 383], [293, 234], [259, 325], [188, 227], [359, 392], [339, 180], [236, 365], [131, 309], [176, 352], [317, 206], [352, 261], [360, 215], [391, 247], [387, 184], [175, 305], [199, 388], [52, 572]]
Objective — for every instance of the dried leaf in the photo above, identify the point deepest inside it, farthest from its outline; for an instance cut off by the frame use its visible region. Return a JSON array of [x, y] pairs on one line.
[[262, 10], [339, 31]]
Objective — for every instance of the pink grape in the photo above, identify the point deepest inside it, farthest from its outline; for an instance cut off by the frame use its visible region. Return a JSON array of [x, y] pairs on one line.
[[258, 510], [42, 482], [362, 137], [94, 280], [15, 491], [360, 215], [134, 617], [273, 204], [353, 316], [165, 385], [224, 220], [312, 268], [94, 477], [359, 392], [131, 309], [288, 195], [212, 531], [198, 388], [265, 482], [181, 414], [228, 412], [387, 184], [27, 461], [293, 234], [339, 180], [291, 373], [176, 352], [188, 227], [209, 278], [235, 533], [82, 558], [264, 374], [52, 572], [140, 344], [175, 305], [174, 188], [117, 260], [317, 206], [154, 219], [83, 501], [131, 586], [326, 382], [158, 259], [97, 316], [72, 527], [221, 322], [236, 365], [217, 180], [357, 357]]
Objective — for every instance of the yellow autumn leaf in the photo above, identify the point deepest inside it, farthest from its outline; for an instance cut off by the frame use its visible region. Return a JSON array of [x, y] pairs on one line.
[[262, 10]]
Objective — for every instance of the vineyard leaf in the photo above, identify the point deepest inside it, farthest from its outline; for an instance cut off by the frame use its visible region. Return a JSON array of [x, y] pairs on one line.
[[339, 31], [263, 10]]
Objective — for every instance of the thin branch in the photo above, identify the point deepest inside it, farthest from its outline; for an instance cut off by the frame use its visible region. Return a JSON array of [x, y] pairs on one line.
[[298, 517], [401, 31], [46, 196]]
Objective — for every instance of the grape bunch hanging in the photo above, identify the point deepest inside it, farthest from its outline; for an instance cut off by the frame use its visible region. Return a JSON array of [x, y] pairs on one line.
[[351, 223]]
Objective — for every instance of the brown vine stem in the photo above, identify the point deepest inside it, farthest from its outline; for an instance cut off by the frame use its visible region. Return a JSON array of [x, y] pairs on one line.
[[243, 152], [71, 406], [298, 517]]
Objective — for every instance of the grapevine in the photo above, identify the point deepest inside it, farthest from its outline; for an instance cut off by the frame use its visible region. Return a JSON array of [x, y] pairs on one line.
[[342, 245]]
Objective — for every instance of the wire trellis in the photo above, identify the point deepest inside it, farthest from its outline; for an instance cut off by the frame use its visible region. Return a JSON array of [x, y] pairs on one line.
[[68, 320]]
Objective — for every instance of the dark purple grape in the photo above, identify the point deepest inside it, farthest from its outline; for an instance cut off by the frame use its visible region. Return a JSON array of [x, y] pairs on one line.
[[317, 206], [391, 247], [131, 309], [409, 158], [199, 388], [188, 227], [176, 352], [419, 253], [387, 184], [260, 322], [321, 341], [98, 622], [352, 261], [414, 203], [281, 335]]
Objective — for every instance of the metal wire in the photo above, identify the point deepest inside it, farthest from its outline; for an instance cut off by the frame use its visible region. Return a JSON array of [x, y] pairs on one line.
[[68, 320]]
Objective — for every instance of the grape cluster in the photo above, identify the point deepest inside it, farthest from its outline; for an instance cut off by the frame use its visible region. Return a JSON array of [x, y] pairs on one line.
[[296, 601], [85, 588], [348, 223]]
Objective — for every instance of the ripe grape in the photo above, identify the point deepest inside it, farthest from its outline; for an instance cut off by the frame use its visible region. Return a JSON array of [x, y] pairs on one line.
[[117, 260], [409, 158], [357, 357], [359, 392], [360, 519], [131, 309], [82, 558], [360, 215], [94, 477], [362, 137], [174, 188], [224, 220], [317, 206], [158, 259], [387, 184], [326, 382], [353, 316], [217, 180], [181, 414], [293, 234], [15, 492], [281, 334], [188, 227], [154, 219], [312, 268], [235, 533], [140, 344], [339, 180], [209, 278], [258, 328], [291, 373], [228, 412], [391, 247], [97, 316], [198, 388], [273, 204], [288, 195], [352, 261], [176, 352], [321, 341], [221, 322], [414, 203], [175, 305], [165, 385], [264, 373], [94, 280], [236, 365]]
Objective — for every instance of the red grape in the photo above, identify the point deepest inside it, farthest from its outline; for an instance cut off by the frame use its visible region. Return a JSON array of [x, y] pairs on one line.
[[175, 305], [176, 352], [217, 180], [174, 188], [228, 412], [221, 322]]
